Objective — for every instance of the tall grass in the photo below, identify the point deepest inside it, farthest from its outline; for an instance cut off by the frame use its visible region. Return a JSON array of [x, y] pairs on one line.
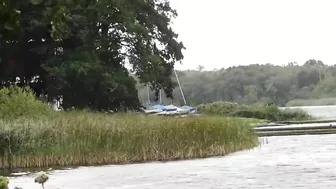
[[82, 138], [268, 112], [34, 136]]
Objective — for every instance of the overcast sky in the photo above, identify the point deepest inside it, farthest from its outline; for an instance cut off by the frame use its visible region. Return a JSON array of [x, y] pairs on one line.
[[224, 33]]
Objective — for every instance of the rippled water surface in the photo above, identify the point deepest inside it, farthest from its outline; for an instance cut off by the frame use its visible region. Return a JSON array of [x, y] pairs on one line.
[[324, 112], [284, 162]]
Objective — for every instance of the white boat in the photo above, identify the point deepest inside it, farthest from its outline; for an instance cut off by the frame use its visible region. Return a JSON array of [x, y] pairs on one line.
[[170, 109], [152, 111]]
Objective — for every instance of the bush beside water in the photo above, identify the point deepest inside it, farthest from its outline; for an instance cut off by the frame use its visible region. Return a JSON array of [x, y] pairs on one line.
[[3, 183], [267, 112], [18, 102], [86, 138]]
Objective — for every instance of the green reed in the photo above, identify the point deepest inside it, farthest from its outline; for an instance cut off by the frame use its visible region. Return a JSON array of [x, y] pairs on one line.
[[83, 138]]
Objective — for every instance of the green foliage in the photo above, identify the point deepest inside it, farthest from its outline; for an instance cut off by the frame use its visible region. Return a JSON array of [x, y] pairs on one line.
[[3, 182], [326, 88], [112, 90], [220, 108], [293, 115], [13, 12], [267, 112], [67, 44], [7, 10], [83, 138], [21, 102], [255, 84]]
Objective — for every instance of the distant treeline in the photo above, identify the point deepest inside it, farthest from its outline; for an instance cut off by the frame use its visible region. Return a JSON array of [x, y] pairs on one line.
[[291, 84]]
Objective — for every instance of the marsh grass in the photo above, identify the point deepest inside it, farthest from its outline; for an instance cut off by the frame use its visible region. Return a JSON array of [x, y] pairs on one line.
[[265, 112], [83, 138], [34, 136]]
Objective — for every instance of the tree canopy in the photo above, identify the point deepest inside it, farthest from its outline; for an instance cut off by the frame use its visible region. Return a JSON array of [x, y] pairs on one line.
[[255, 84], [79, 49]]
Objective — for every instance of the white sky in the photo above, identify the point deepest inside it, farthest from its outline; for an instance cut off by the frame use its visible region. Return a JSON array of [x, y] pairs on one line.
[[224, 33]]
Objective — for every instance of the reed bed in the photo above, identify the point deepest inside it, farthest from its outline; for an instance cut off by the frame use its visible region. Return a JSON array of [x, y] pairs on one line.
[[84, 139], [266, 112]]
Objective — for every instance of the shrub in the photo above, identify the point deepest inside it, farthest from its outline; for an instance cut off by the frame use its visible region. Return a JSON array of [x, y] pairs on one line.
[[293, 115], [3, 183], [21, 102], [269, 112]]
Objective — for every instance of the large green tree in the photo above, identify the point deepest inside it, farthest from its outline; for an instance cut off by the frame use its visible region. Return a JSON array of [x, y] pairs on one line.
[[79, 49]]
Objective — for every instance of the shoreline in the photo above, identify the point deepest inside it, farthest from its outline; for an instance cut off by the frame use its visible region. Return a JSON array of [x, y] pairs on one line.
[[59, 167], [28, 171], [296, 132], [90, 139]]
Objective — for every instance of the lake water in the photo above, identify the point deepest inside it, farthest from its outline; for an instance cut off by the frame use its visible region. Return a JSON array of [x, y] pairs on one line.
[[280, 162], [324, 112]]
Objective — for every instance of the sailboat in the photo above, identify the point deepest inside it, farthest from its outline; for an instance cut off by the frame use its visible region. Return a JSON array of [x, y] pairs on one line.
[[171, 109]]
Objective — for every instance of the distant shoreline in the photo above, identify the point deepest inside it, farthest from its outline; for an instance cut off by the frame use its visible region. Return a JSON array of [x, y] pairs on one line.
[[312, 102]]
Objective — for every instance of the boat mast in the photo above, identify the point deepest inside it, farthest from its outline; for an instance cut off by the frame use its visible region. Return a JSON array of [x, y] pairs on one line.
[[178, 81], [148, 95], [160, 97]]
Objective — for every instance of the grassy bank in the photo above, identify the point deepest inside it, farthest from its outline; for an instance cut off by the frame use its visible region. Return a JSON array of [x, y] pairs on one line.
[[272, 113], [33, 136], [312, 102], [82, 138]]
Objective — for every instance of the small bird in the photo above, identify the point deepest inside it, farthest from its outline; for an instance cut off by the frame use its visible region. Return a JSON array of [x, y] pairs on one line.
[[41, 178]]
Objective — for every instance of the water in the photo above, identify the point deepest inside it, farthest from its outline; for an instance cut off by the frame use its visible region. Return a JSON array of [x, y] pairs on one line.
[[298, 126], [325, 112], [283, 162]]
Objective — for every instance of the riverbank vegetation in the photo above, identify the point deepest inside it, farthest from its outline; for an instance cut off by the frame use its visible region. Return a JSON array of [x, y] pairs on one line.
[[265, 112], [82, 138], [3, 182], [76, 52], [93, 138], [17, 102], [257, 84]]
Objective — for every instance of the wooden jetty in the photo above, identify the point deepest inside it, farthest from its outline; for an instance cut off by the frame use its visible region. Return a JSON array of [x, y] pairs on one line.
[[299, 128]]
